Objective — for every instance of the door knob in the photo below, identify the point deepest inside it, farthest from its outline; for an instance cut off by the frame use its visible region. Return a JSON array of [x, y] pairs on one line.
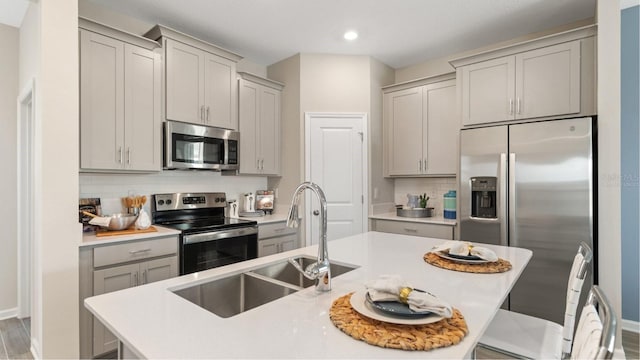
[[316, 212]]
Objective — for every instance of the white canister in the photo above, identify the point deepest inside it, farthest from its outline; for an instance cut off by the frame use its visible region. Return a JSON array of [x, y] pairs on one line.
[[233, 208], [249, 202]]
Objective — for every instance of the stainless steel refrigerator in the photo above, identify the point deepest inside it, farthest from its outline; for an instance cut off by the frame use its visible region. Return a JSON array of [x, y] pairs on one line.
[[532, 185]]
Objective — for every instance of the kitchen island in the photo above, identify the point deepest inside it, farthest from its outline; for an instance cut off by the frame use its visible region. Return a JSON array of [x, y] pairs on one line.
[[151, 321]]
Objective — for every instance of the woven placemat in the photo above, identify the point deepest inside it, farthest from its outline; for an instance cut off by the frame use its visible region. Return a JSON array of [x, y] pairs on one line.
[[499, 266], [443, 333]]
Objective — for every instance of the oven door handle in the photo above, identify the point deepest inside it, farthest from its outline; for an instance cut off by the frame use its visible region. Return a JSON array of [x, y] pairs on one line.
[[219, 235]]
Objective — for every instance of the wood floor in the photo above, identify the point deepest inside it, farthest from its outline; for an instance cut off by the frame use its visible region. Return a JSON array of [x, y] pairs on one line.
[[14, 342], [15, 339]]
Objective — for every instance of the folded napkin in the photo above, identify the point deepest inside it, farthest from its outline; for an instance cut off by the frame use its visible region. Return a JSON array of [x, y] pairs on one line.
[[465, 248], [100, 221], [388, 287]]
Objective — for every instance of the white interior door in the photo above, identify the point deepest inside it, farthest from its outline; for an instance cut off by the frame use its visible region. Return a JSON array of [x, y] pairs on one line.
[[336, 161]]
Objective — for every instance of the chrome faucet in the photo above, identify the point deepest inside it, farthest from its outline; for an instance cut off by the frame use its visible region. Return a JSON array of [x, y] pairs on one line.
[[320, 271]]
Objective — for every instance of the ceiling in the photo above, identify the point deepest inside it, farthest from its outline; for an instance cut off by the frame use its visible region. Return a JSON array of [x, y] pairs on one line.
[[396, 32], [12, 12]]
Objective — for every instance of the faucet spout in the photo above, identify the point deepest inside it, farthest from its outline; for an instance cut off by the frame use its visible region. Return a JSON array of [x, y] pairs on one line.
[[321, 270]]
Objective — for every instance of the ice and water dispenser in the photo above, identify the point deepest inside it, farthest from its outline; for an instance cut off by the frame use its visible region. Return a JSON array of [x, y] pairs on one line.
[[483, 197]]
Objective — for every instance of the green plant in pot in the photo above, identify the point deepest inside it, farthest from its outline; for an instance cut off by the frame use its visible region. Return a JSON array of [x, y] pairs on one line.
[[423, 200]]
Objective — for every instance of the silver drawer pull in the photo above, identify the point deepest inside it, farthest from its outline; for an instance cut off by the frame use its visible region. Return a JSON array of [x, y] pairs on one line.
[[410, 230], [280, 230], [135, 252]]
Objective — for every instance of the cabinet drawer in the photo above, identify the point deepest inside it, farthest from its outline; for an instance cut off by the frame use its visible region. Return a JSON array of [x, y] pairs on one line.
[[274, 229], [416, 229], [132, 251]]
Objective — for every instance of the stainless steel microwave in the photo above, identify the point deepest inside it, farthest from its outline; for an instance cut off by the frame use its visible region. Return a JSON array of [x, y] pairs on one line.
[[191, 146]]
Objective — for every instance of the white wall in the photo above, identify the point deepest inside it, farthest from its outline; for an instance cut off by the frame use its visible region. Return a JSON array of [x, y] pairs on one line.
[[380, 188], [111, 188], [58, 114], [287, 71], [441, 65], [609, 224], [9, 47], [49, 54], [29, 70], [139, 27]]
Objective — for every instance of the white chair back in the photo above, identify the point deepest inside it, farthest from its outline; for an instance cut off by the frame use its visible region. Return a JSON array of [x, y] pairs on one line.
[[574, 288], [595, 335]]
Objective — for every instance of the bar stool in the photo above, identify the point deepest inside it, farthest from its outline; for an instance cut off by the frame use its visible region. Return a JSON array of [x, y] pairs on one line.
[[523, 336]]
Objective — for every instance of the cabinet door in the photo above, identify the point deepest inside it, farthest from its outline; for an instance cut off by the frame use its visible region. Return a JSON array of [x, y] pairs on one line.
[[105, 281], [288, 242], [268, 247], [403, 110], [220, 92], [488, 90], [441, 135], [249, 94], [269, 133], [160, 269], [101, 102], [548, 81], [142, 109], [185, 82]]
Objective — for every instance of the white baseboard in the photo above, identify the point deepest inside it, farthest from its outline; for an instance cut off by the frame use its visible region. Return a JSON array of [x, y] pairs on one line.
[[8, 313], [630, 325]]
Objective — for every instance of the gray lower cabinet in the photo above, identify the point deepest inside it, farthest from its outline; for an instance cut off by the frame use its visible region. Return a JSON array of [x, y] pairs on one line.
[[414, 228], [276, 237], [109, 268]]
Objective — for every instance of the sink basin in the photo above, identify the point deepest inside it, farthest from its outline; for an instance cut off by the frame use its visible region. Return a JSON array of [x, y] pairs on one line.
[[285, 272], [235, 294]]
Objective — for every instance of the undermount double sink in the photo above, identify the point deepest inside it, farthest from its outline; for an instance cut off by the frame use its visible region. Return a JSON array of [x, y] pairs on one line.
[[232, 295]]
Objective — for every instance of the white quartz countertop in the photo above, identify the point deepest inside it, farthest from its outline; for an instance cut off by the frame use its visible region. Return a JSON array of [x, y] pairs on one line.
[[91, 239], [155, 323], [267, 218], [438, 220]]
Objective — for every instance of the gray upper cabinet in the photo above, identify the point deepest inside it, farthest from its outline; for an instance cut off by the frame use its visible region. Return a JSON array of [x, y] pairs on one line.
[[541, 78], [120, 124], [421, 128], [200, 86], [259, 117]]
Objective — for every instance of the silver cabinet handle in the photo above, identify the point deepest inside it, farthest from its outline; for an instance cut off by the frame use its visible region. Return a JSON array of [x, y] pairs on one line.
[[279, 230], [261, 164], [207, 114], [518, 107], [258, 164], [144, 276], [510, 106], [425, 165], [120, 154], [411, 230], [201, 112], [420, 165], [135, 252], [128, 155], [135, 278]]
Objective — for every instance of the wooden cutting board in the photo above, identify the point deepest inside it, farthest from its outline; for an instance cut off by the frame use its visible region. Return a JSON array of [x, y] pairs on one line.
[[130, 231]]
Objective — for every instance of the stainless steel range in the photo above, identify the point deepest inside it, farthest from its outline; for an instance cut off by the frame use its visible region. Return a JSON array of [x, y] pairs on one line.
[[208, 239]]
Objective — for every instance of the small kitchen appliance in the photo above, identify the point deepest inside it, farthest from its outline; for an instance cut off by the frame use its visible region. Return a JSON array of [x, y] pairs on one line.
[[208, 239]]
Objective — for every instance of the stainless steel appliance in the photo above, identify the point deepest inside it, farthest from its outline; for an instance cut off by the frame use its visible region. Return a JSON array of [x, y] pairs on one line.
[[190, 146], [208, 239], [532, 185]]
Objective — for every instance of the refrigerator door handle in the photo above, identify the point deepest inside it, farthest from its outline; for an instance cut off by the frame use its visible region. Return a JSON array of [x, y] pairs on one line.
[[513, 239], [502, 206]]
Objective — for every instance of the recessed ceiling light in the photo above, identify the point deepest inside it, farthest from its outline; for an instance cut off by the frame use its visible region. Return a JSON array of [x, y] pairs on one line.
[[350, 35]]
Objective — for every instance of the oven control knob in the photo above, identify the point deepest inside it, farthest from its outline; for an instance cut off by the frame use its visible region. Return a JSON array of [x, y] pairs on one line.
[[168, 202], [160, 202]]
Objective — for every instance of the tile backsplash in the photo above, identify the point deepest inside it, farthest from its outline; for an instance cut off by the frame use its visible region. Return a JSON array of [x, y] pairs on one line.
[[435, 188], [111, 188]]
